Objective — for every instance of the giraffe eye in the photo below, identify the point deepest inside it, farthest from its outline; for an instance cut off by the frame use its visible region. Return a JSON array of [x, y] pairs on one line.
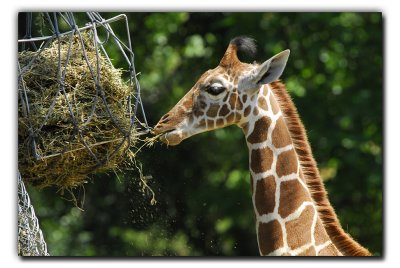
[[215, 89]]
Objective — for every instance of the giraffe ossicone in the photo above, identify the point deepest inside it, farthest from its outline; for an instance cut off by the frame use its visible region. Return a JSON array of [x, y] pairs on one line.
[[293, 214]]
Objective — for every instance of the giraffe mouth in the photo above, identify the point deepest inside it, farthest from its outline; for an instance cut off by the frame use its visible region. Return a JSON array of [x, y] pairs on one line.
[[168, 133], [172, 136]]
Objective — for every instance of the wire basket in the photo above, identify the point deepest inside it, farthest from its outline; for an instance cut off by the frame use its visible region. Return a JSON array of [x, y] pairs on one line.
[[77, 113]]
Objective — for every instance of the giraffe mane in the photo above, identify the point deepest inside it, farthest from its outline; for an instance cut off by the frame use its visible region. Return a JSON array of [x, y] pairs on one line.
[[342, 240]]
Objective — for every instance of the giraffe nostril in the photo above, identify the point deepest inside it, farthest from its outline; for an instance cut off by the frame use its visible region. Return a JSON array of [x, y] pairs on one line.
[[165, 116], [164, 119]]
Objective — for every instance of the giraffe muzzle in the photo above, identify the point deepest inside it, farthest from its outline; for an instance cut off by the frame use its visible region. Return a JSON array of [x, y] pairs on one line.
[[169, 134], [170, 137]]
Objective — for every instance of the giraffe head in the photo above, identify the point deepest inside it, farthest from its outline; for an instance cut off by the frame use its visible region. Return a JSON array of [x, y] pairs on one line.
[[222, 96]]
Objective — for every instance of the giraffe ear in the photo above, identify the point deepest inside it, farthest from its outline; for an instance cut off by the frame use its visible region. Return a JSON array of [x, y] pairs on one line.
[[271, 69]]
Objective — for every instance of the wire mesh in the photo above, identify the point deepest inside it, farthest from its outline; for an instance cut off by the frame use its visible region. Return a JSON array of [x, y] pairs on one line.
[[41, 43], [30, 237], [60, 34]]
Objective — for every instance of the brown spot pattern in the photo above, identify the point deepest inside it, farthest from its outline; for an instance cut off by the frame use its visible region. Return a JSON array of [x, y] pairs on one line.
[[226, 97], [255, 111], [234, 102], [230, 118], [261, 160], [319, 233], [238, 116], [262, 103], [244, 98], [309, 252], [202, 104], [260, 132], [265, 195], [329, 250], [286, 163], [212, 111], [247, 111], [299, 230], [292, 195], [198, 112], [202, 123], [269, 237], [220, 122], [274, 104], [210, 124], [245, 128], [280, 134], [179, 111], [224, 110], [191, 119], [188, 102]]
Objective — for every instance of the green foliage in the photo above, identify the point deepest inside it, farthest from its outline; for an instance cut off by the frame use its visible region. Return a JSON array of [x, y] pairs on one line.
[[334, 75]]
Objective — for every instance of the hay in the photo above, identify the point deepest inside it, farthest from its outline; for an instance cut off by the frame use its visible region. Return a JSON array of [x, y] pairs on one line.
[[101, 136]]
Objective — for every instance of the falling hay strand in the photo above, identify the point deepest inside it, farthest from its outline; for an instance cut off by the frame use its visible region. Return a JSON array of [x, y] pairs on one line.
[[71, 129]]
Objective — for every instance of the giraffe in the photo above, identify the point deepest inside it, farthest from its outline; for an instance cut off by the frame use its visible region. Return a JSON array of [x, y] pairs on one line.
[[293, 215]]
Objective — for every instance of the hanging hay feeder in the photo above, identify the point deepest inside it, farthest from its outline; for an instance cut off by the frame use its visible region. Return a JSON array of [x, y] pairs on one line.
[[74, 113]]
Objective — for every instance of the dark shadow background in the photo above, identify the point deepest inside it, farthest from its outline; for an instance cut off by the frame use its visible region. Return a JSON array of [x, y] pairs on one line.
[[334, 75]]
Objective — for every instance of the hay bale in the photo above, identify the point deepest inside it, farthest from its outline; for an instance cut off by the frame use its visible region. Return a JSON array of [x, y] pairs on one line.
[[69, 151]]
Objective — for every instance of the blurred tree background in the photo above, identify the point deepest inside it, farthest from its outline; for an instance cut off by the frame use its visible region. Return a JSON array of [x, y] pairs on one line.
[[334, 75]]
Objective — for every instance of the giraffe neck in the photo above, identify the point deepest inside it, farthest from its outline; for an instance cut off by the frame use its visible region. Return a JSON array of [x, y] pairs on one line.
[[287, 222]]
